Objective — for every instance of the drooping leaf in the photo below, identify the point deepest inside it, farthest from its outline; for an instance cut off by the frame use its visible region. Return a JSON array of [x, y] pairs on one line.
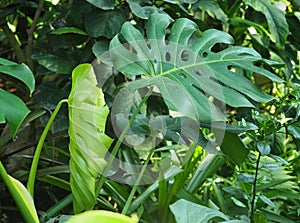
[[19, 71], [276, 20], [186, 72], [88, 142], [104, 23], [13, 110], [186, 212], [102, 216], [21, 196]]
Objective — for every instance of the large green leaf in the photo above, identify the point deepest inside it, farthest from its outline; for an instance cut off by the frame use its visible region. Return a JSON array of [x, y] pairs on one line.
[[104, 23], [102, 216], [186, 212], [21, 196], [186, 71], [276, 20], [88, 143]]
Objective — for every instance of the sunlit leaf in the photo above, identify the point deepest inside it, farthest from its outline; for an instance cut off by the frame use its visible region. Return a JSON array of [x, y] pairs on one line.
[[21, 196], [88, 142], [102, 216]]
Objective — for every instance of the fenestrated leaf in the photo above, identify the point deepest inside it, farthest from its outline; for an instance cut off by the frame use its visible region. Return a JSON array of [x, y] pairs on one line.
[[276, 20], [102, 216], [104, 23], [186, 73], [13, 110], [19, 71], [186, 212], [88, 142]]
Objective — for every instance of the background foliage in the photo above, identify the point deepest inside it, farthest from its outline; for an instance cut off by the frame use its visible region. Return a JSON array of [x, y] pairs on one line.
[[260, 184]]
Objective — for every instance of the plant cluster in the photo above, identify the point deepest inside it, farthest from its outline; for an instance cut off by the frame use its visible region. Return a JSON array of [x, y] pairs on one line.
[[149, 111]]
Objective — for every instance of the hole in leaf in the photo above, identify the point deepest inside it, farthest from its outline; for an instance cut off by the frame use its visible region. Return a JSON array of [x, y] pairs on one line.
[[204, 54], [182, 75], [198, 72], [219, 47], [214, 79], [184, 55], [168, 56], [198, 88]]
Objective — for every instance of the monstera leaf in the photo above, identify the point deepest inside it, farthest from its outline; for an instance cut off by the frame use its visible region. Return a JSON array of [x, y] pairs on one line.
[[189, 72], [88, 143]]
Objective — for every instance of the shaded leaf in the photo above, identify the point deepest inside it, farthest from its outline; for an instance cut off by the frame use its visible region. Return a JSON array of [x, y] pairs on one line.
[[186, 212], [102, 4], [55, 63], [104, 23], [264, 148], [88, 142]]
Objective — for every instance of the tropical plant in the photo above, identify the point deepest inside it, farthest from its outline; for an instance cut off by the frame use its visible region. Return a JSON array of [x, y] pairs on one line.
[[188, 109]]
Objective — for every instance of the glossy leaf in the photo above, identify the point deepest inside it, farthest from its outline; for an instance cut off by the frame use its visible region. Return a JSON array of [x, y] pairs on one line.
[[142, 8], [194, 70], [19, 71], [102, 4], [276, 20], [264, 148], [21, 196], [102, 216], [88, 143], [55, 63], [186, 212], [13, 110], [233, 147], [104, 23]]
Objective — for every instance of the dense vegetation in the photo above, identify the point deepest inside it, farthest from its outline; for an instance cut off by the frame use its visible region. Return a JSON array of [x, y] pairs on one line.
[[189, 109]]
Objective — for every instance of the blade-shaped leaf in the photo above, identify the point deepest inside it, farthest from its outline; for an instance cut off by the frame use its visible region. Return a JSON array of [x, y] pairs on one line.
[[88, 142], [276, 20], [186, 212], [188, 72], [21, 196], [13, 110], [102, 216]]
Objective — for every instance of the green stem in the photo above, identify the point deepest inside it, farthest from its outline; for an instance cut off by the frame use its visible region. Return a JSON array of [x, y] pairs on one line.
[[35, 161], [254, 189], [137, 182], [120, 140]]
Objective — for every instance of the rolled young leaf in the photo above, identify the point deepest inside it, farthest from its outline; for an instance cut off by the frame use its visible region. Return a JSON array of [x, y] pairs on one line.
[[88, 142]]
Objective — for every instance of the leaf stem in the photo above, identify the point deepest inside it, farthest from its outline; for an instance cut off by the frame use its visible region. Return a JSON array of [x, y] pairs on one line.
[[254, 189], [35, 161], [137, 182], [120, 140]]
